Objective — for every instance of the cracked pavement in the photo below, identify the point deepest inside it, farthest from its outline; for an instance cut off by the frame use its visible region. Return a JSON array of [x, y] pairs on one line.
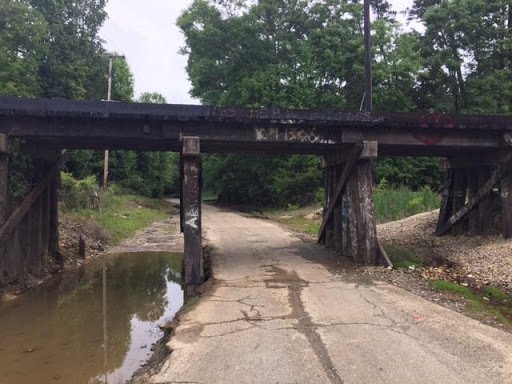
[[273, 316]]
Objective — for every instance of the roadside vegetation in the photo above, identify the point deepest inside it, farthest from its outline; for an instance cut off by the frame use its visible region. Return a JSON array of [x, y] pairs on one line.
[[118, 213], [490, 302], [390, 204]]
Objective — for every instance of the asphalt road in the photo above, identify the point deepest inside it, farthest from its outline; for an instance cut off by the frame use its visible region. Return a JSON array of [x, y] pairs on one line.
[[274, 316]]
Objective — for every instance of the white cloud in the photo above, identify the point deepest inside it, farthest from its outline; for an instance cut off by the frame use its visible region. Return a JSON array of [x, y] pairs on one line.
[[146, 33]]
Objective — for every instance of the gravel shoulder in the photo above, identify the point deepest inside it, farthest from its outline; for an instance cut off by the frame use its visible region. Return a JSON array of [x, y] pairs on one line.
[[479, 261]]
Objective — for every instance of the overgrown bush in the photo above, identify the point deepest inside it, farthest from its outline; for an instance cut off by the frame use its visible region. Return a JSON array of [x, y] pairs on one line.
[[79, 194], [397, 203]]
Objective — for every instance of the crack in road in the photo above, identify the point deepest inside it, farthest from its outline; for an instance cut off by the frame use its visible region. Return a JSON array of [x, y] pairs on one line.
[[306, 326]]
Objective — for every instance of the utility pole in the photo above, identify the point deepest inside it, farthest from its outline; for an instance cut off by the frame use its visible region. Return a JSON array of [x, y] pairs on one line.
[[111, 58], [368, 57]]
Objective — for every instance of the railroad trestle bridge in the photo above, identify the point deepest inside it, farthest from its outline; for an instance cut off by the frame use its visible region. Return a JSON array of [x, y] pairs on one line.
[[477, 153]]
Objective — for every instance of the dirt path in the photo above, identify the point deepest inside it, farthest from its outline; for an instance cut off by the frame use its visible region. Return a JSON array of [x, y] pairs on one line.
[[159, 236], [273, 315]]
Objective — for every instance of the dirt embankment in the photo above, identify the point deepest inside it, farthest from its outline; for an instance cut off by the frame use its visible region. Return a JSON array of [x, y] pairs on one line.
[[479, 261], [70, 230]]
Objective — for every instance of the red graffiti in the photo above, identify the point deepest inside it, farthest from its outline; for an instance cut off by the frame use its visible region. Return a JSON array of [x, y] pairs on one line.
[[433, 121]]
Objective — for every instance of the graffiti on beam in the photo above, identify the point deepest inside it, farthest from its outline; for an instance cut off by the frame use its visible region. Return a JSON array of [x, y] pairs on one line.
[[433, 121], [191, 217], [299, 135]]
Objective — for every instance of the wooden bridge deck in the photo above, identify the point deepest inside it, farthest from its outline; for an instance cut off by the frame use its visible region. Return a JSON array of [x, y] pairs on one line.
[[112, 125]]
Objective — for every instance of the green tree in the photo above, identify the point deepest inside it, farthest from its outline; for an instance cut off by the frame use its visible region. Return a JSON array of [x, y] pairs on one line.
[[23, 32], [151, 97]]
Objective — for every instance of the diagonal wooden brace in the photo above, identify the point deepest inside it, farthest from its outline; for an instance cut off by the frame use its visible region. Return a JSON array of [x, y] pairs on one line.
[[499, 173], [350, 165], [18, 214]]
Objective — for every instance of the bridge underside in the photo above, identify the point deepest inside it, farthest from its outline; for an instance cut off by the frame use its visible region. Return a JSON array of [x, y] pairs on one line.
[[477, 149]]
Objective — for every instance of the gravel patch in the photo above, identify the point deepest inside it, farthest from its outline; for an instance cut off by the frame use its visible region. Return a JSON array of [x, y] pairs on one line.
[[479, 260]]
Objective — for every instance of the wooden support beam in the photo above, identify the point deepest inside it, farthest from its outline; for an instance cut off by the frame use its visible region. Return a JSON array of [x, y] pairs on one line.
[[473, 222], [497, 175], [19, 213], [506, 204], [191, 194], [53, 190], [329, 229], [342, 183], [485, 206], [367, 237], [383, 255], [446, 200], [337, 220], [345, 225], [459, 197], [4, 175]]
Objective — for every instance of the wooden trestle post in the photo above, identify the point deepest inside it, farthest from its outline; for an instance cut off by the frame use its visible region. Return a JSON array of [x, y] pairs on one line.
[[506, 203], [349, 223], [478, 176], [191, 198]]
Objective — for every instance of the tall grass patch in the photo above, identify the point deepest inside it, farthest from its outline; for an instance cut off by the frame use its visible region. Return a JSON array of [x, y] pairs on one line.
[[396, 203]]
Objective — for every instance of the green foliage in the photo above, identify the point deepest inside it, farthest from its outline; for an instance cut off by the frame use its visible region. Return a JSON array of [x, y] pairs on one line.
[[20, 171], [442, 285], [151, 97], [123, 215], [495, 293], [78, 194], [396, 203], [22, 33], [263, 180]]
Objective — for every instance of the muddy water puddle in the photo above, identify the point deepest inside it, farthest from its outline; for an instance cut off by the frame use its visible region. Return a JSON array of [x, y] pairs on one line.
[[56, 333]]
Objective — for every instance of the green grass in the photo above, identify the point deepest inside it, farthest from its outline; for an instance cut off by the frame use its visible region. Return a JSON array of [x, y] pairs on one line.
[[406, 264], [123, 215], [396, 203], [442, 285], [189, 304], [498, 304], [495, 293]]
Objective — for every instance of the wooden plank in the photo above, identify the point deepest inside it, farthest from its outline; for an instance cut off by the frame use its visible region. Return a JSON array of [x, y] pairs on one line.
[[347, 171], [459, 198], [497, 175], [355, 213], [4, 171], [473, 223], [45, 226], [506, 204], [337, 220], [329, 229], [35, 237], [345, 225], [485, 206], [27, 203], [446, 200], [53, 188], [383, 254], [193, 252], [367, 227]]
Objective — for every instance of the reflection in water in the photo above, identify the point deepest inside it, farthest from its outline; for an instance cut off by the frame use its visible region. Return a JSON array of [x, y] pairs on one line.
[[59, 332]]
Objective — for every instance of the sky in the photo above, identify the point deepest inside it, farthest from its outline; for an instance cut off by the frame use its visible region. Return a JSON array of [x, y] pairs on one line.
[[146, 33]]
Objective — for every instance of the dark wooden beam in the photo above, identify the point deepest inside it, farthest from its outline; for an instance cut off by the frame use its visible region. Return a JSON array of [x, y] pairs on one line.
[[497, 175], [506, 203], [342, 183], [193, 252], [19, 213]]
